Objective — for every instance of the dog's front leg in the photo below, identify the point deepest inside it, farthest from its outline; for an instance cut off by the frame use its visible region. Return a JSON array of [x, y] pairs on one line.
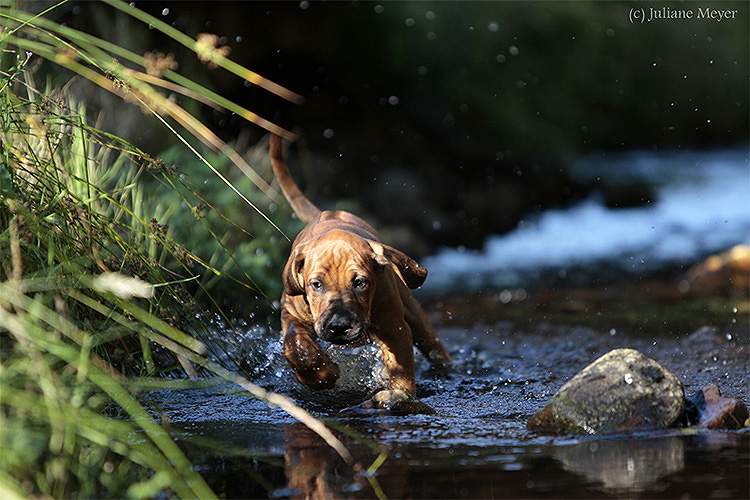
[[398, 361], [398, 358], [310, 363]]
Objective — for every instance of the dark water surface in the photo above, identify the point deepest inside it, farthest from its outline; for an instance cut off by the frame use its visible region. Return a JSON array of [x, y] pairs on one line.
[[478, 446]]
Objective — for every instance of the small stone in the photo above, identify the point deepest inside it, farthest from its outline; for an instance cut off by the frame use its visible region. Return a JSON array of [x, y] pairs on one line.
[[705, 336], [707, 408], [620, 390]]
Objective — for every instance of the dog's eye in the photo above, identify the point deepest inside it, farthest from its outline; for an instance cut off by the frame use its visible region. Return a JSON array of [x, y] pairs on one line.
[[359, 283], [316, 285]]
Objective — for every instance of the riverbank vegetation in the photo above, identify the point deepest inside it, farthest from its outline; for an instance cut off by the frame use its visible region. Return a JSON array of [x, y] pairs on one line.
[[100, 298]]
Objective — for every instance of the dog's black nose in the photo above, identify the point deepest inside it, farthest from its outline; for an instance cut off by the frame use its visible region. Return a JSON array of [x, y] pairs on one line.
[[338, 327]]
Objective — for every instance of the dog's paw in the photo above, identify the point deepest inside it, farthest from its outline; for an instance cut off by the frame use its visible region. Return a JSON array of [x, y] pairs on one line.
[[398, 401], [440, 362]]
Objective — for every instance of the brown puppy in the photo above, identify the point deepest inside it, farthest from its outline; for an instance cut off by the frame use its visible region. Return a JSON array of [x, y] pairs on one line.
[[342, 285]]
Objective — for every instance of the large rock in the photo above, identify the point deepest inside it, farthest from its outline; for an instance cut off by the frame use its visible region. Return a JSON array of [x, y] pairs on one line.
[[622, 389]]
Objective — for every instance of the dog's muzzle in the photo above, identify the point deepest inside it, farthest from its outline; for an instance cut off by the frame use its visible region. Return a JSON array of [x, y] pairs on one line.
[[341, 326]]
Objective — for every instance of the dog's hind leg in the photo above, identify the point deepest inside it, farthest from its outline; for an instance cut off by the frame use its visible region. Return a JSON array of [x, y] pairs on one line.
[[423, 334]]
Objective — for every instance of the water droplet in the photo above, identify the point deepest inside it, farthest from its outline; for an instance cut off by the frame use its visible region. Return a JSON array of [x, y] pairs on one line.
[[506, 296], [328, 133], [613, 332], [165, 11], [628, 378], [513, 50], [493, 27]]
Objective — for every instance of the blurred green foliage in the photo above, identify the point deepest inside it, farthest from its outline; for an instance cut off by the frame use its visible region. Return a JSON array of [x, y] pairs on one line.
[[229, 235], [567, 77], [456, 83]]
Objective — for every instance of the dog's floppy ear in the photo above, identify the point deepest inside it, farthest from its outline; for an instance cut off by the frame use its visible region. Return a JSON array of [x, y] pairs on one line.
[[408, 269], [294, 283]]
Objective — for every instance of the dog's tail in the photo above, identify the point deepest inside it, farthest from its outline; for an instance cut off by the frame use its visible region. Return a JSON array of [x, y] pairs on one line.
[[303, 207]]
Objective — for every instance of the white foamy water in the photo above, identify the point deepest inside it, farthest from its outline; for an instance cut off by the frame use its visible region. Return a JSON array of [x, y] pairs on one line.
[[702, 206]]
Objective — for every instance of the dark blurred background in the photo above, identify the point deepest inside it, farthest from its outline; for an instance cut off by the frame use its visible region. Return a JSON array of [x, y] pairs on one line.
[[444, 122]]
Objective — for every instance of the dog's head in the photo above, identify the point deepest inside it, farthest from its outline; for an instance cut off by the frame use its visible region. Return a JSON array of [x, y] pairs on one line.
[[338, 274]]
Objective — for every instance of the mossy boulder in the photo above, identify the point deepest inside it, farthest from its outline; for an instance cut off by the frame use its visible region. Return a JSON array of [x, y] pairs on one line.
[[620, 390]]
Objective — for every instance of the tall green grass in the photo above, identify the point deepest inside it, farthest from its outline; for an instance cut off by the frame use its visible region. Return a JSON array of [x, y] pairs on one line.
[[76, 238], [97, 289]]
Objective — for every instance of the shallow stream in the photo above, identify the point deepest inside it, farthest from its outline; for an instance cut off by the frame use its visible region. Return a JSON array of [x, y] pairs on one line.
[[516, 336], [477, 446]]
